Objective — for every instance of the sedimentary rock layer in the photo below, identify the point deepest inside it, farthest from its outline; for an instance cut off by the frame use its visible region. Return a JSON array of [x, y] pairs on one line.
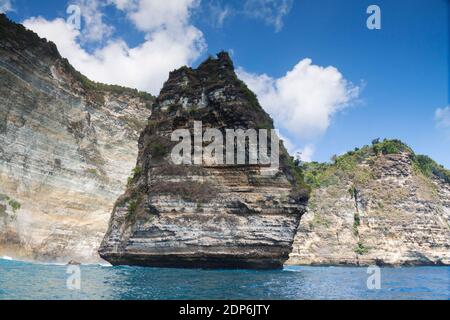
[[67, 146], [376, 209], [209, 216]]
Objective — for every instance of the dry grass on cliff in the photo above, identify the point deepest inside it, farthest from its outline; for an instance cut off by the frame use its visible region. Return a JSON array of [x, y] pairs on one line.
[[190, 191]]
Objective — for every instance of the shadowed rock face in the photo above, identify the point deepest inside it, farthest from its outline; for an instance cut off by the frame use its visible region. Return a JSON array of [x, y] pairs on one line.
[[67, 146], [207, 216]]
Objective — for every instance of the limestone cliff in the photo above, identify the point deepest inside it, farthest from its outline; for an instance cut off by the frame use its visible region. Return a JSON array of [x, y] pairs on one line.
[[381, 204], [205, 215], [67, 146]]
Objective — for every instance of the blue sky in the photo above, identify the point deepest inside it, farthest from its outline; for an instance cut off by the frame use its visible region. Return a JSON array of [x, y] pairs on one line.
[[394, 81]]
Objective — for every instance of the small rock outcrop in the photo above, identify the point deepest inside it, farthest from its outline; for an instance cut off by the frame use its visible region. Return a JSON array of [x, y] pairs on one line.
[[381, 204], [67, 146], [205, 215]]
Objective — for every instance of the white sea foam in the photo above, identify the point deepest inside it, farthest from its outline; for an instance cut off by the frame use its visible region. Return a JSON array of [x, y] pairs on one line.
[[292, 268], [101, 264], [105, 264]]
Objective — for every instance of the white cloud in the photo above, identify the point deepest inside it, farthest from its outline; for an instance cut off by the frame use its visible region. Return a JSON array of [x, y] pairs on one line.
[[170, 42], [305, 153], [287, 143], [5, 6], [94, 29], [222, 15], [304, 101], [271, 11], [123, 4], [153, 15], [442, 117], [216, 13]]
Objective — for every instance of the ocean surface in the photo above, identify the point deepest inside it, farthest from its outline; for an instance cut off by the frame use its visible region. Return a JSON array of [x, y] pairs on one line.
[[20, 280]]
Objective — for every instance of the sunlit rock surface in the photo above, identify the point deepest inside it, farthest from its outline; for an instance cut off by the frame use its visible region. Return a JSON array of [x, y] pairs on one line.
[[207, 216], [400, 215], [67, 146]]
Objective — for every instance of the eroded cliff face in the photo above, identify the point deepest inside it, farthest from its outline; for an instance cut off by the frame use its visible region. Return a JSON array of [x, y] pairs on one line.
[[376, 209], [211, 215], [67, 146]]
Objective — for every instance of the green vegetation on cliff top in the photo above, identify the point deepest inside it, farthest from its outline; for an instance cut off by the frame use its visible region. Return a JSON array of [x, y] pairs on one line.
[[325, 174], [24, 39], [97, 86]]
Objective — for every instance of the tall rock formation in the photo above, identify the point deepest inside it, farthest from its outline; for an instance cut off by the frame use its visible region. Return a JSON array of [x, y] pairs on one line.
[[381, 204], [205, 215], [67, 146]]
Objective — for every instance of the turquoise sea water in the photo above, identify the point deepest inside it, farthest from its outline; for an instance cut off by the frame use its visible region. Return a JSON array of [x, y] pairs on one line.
[[19, 280]]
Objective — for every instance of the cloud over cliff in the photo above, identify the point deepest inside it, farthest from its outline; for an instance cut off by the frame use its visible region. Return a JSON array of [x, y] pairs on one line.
[[305, 99], [170, 41]]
